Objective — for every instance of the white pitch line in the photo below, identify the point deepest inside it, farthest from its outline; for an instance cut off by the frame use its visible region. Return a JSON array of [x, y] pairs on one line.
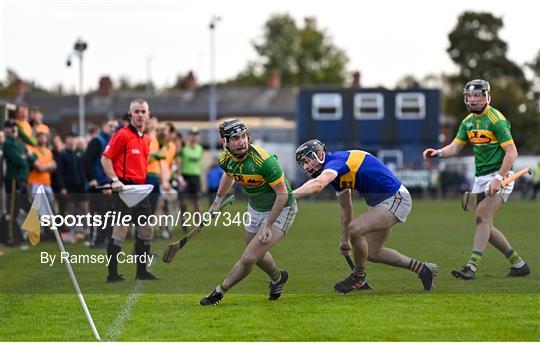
[[116, 327]]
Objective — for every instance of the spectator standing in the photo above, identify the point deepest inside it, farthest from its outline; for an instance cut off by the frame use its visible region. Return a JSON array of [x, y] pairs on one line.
[[56, 176], [99, 201], [213, 177], [72, 180], [192, 154], [36, 120], [17, 161], [25, 132], [40, 173]]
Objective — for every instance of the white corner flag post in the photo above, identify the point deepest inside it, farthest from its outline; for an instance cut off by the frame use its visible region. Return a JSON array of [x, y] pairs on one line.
[[44, 208]]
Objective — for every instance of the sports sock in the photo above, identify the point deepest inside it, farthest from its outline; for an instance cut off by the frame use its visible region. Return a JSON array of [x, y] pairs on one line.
[[359, 272], [514, 258], [112, 252], [415, 266], [140, 250], [474, 260], [221, 289], [275, 275]]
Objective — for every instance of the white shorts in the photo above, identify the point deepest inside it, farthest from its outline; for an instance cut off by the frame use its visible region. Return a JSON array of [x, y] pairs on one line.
[[481, 183], [283, 222], [399, 204]]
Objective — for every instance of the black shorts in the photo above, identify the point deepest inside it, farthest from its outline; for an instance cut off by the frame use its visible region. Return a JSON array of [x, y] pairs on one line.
[[193, 184]]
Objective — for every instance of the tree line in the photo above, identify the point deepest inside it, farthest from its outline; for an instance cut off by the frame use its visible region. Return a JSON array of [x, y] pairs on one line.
[[305, 54]]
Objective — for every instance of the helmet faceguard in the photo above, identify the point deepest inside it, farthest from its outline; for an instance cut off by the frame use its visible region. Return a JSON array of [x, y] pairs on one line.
[[231, 128], [476, 95], [308, 151]]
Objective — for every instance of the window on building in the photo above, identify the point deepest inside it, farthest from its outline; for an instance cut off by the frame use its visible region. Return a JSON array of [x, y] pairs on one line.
[[368, 106], [410, 106], [393, 158], [328, 106]]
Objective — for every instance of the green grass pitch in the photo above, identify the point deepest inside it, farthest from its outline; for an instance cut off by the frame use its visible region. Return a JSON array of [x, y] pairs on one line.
[[37, 302]]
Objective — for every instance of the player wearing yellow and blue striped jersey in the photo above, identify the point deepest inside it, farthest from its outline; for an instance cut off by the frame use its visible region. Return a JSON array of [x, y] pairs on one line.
[[359, 170], [389, 202]]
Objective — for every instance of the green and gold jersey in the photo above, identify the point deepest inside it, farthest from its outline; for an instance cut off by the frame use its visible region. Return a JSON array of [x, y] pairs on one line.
[[256, 173], [488, 132]]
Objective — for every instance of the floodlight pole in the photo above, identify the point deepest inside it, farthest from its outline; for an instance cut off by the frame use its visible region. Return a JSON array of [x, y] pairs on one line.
[[212, 95], [78, 50], [148, 87], [82, 113]]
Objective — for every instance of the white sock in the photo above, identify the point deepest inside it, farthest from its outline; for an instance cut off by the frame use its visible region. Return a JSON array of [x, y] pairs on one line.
[[519, 264], [220, 290], [473, 268]]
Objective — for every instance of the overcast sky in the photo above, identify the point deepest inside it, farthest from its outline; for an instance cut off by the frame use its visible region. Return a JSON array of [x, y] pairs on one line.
[[384, 39]]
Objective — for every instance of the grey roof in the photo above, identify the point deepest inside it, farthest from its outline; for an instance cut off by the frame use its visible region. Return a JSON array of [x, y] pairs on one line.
[[242, 101]]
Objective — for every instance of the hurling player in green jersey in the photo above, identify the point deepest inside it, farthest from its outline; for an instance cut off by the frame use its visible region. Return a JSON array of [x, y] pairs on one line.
[[271, 207], [494, 153]]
